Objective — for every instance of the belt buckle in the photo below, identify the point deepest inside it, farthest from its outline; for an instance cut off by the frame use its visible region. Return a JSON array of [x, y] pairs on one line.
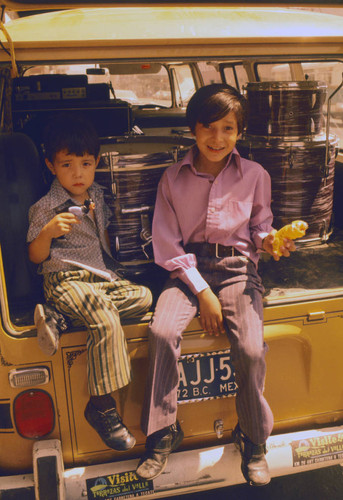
[[217, 253]]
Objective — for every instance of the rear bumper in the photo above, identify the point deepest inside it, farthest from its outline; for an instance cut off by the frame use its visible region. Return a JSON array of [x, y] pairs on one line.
[[186, 472]]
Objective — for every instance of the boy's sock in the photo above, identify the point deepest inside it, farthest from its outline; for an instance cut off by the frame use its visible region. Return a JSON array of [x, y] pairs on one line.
[[103, 403]]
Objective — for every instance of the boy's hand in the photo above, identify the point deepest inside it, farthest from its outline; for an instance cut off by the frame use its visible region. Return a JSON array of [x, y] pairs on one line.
[[211, 316], [61, 224], [286, 249]]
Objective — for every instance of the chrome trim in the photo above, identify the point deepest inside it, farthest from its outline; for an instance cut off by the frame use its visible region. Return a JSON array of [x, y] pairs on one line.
[[303, 296], [5, 317], [26, 373]]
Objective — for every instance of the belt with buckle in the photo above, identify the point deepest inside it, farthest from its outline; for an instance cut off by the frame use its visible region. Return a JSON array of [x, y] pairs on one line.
[[204, 249]]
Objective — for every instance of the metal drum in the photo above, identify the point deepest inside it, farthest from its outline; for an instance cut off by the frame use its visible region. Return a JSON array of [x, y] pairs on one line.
[[302, 181], [285, 109], [131, 172]]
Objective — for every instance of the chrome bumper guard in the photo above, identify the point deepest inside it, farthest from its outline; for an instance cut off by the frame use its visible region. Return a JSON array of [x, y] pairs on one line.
[[186, 472]]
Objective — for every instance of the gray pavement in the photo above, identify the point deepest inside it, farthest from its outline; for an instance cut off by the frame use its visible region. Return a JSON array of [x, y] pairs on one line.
[[322, 484]]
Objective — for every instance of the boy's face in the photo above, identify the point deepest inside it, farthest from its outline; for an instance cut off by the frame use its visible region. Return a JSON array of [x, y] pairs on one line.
[[75, 173], [216, 140]]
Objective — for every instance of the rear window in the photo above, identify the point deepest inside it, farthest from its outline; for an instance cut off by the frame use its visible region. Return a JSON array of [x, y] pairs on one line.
[[139, 84]]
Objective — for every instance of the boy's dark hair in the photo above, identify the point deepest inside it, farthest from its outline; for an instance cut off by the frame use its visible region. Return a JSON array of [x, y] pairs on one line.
[[71, 132], [212, 102]]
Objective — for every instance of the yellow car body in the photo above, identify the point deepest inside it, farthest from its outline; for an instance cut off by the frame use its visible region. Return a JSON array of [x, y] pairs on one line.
[[303, 323]]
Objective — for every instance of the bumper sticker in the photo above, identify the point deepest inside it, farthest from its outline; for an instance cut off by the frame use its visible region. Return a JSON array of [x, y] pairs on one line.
[[317, 449], [121, 485]]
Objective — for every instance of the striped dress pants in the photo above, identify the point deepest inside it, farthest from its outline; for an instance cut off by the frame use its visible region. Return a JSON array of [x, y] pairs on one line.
[[238, 286], [98, 305]]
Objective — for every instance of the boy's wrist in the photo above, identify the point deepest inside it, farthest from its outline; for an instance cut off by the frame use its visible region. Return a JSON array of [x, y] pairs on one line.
[[203, 293], [47, 234]]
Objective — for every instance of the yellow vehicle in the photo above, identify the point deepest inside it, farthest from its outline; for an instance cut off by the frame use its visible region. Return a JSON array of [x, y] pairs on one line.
[[133, 69]]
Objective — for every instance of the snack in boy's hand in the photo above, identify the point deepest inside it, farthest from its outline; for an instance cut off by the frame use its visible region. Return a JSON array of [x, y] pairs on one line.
[[84, 209], [291, 231]]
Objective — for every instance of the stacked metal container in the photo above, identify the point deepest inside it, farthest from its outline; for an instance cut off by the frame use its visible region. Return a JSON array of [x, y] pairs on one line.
[[286, 134], [130, 170]]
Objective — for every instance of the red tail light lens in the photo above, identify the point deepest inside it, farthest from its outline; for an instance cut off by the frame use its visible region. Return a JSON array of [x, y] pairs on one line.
[[34, 414]]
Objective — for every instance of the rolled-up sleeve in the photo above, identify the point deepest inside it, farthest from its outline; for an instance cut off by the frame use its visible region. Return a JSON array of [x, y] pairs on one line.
[[168, 244]]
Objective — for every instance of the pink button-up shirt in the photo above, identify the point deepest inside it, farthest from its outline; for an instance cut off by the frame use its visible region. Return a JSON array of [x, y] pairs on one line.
[[232, 209]]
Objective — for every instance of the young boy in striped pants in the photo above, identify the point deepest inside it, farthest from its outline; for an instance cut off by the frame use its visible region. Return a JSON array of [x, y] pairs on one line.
[[81, 278]]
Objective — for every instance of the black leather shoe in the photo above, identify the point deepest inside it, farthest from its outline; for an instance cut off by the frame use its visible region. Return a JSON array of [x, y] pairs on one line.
[[108, 424], [254, 464], [50, 324], [158, 446]]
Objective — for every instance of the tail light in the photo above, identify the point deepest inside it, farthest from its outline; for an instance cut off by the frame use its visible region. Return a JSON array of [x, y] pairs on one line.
[[34, 414]]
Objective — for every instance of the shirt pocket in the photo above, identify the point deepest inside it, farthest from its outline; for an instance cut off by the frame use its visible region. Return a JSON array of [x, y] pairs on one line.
[[234, 215]]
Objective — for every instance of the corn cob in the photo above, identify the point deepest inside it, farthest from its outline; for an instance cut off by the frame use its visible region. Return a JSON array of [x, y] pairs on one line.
[[290, 231]]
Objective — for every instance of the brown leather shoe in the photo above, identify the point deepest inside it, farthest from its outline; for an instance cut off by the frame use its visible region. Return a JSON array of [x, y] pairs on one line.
[[110, 427], [158, 446], [254, 464]]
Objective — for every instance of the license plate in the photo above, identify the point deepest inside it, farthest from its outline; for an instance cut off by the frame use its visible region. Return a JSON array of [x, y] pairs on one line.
[[205, 376]]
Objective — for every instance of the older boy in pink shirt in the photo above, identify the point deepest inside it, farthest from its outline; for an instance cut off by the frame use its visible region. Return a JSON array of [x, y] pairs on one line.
[[212, 219]]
